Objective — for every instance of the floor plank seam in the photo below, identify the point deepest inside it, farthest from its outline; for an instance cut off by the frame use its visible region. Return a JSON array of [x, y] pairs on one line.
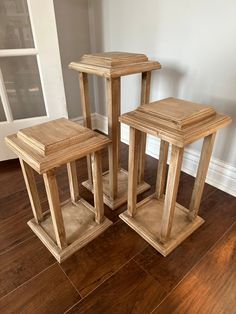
[[212, 247], [87, 295], [14, 246], [70, 281], [150, 275], [27, 281]]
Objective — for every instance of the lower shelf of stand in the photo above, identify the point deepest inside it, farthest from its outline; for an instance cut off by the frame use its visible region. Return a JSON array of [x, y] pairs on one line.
[[122, 189], [80, 228], [147, 223]]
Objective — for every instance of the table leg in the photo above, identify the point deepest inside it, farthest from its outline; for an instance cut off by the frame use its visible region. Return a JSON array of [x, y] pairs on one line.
[[30, 183], [201, 175], [145, 95], [97, 185], [83, 82], [134, 141], [73, 181], [171, 191], [162, 169], [55, 208], [113, 99]]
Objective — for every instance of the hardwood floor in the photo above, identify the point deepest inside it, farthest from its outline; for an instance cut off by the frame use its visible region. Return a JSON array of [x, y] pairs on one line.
[[118, 272]]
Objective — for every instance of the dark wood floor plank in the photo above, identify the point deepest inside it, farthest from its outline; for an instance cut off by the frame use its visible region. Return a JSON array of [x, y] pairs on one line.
[[211, 286], [96, 262], [22, 263], [50, 292], [130, 290], [219, 213]]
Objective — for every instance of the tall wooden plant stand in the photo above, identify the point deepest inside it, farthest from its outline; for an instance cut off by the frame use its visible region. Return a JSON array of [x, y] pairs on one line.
[[159, 219], [112, 66], [68, 226]]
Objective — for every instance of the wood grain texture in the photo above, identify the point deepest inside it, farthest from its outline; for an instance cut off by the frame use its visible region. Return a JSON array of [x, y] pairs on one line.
[[134, 141], [145, 96], [98, 191], [171, 192], [73, 181], [211, 285], [84, 95], [55, 208], [205, 157], [113, 103], [162, 169], [47, 293], [21, 264], [176, 121], [217, 210], [102, 257], [130, 290]]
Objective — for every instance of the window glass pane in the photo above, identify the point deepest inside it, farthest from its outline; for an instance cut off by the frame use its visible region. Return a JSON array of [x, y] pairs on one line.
[[22, 82], [2, 113], [15, 27]]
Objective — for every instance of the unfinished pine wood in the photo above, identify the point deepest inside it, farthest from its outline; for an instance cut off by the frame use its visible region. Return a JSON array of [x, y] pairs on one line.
[[145, 95], [84, 145], [207, 148], [134, 141], [84, 94], [176, 121], [162, 169], [30, 183], [113, 100], [148, 220], [113, 65], [80, 226], [98, 190], [73, 181], [171, 191], [47, 138], [55, 208]]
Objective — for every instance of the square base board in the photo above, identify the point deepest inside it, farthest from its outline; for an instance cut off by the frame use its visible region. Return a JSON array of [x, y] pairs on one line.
[[122, 189], [147, 223], [80, 227]]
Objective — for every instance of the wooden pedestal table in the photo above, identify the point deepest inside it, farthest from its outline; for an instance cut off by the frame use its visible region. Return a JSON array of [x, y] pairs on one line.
[[68, 226], [159, 219], [113, 66]]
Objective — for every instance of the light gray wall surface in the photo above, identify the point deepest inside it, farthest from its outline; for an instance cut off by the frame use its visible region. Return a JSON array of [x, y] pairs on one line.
[[193, 40], [74, 40]]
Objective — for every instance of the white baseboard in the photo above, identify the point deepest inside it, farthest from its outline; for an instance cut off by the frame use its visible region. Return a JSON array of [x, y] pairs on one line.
[[220, 174]]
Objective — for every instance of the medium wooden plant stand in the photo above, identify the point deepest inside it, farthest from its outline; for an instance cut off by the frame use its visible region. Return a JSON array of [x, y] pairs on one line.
[[65, 227], [159, 219], [112, 66]]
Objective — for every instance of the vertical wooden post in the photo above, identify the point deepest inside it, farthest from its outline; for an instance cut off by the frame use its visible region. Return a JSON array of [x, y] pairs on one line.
[[171, 191], [73, 181], [145, 95], [31, 187], [206, 152], [55, 208], [83, 82], [113, 99], [162, 168], [134, 142], [97, 185]]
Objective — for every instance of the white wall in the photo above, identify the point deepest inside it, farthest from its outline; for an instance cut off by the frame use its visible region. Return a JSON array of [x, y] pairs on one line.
[[195, 43], [72, 18]]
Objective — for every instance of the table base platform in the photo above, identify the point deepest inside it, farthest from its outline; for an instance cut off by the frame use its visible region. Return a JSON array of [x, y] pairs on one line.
[[147, 223], [80, 227], [122, 189]]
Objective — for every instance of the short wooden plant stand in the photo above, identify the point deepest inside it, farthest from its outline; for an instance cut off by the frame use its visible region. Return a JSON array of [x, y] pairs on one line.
[[112, 66], [159, 219], [68, 226]]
